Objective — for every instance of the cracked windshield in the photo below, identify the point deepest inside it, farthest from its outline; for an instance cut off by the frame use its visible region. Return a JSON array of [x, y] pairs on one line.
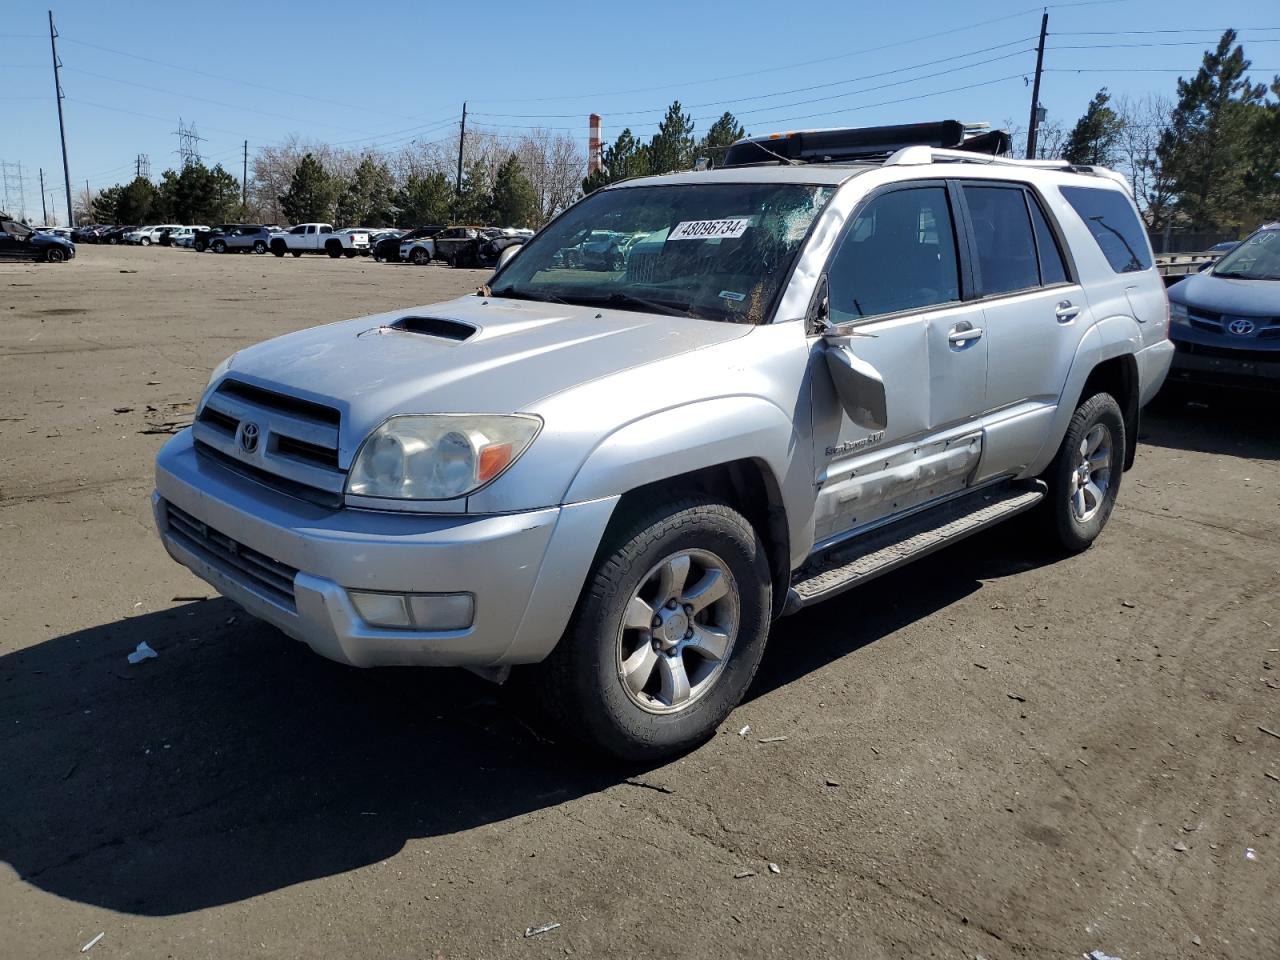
[[708, 251]]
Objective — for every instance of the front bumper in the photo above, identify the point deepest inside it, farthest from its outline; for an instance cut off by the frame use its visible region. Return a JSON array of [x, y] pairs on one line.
[[524, 569], [1216, 361]]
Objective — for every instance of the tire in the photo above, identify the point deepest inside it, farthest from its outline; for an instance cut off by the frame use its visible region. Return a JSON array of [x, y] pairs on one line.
[[218, 246], [296, 253], [279, 249], [144, 242], [333, 248], [199, 246], [420, 256], [259, 247], [55, 255], [349, 254], [652, 715], [1082, 497]]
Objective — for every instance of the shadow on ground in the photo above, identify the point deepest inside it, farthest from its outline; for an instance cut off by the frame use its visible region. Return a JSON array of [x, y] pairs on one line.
[[1204, 419], [238, 762]]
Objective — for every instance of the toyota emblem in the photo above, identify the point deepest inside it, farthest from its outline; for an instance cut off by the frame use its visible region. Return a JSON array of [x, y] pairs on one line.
[[249, 437], [1240, 327]]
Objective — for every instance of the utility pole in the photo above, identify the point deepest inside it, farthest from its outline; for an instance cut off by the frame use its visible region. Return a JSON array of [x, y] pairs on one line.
[[62, 129], [44, 210], [244, 183], [1033, 128], [462, 139], [88, 202]]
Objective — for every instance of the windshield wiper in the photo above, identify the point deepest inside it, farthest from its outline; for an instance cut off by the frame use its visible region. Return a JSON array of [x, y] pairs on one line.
[[515, 293], [652, 306]]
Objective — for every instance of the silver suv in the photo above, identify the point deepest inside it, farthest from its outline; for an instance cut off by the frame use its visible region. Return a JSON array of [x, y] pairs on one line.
[[794, 377]]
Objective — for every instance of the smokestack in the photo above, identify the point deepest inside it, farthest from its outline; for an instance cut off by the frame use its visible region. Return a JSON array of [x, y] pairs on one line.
[[594, 150]]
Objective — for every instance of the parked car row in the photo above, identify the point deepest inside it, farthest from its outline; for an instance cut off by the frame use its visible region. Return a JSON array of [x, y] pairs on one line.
[[458, 246]]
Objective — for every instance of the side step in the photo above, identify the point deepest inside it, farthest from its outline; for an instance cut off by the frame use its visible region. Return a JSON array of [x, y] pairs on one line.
[[867, 557]]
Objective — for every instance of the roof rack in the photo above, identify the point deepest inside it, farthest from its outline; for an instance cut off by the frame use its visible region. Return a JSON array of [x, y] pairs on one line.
[[910, 156], [863, 143]]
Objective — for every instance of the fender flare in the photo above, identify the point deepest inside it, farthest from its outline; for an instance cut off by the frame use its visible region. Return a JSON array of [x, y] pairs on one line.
[[1114, 336]]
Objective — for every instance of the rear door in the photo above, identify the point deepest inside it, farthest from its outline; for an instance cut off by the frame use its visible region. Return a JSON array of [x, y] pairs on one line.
[[1034, 313], [895, 288]]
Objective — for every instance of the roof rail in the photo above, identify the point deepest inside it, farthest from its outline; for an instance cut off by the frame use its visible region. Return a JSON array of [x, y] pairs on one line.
[[910, 156]]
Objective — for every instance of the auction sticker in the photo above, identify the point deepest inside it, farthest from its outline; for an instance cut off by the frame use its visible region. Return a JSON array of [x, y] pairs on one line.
[[710, 229]]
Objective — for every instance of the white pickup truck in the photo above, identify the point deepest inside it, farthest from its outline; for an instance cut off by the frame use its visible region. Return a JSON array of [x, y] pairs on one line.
[[320, 238]]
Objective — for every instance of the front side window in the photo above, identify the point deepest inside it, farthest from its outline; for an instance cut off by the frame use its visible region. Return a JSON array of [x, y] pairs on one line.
[[714, 251], [298, 230], [1114, 224], [898, 254], [1002, 234]]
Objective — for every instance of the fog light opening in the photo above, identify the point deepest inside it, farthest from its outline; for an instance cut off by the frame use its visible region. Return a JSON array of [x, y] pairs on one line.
[[420, 611]]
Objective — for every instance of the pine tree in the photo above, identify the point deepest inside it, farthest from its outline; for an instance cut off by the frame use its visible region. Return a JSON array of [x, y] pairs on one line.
[[474, 202], [721, 134], [106, 204], [367, 199], [137, 202], [626, 158], [311, 194], [515, 202], [1095, 139], [672, 147], [1205, 153], [424, 200]]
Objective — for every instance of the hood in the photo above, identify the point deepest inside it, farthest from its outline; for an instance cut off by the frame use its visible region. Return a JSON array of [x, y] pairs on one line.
[[49, 240], [520, 352], [1228, 295]]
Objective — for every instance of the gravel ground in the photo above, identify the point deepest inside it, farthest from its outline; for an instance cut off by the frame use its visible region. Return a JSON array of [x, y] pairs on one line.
[[995, 753]]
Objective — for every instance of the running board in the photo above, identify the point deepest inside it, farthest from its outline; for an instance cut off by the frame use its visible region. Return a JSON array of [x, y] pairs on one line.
[[867, 557]]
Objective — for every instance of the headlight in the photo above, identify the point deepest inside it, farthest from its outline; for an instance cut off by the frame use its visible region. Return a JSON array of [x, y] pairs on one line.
[[1177, 311], [439, 456], [219, 370]]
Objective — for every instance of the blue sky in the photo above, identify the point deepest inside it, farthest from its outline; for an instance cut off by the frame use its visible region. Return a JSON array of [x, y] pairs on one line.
[[385, 73]]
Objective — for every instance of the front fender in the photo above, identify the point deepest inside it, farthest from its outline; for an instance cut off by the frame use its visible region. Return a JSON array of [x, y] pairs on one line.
[[682, 439]]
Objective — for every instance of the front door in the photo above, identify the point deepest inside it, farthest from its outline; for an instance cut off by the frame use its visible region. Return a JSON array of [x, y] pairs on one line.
[[894, 289]]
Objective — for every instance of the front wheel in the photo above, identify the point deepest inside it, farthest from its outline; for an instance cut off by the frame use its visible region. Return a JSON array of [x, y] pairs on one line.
[[55, 255], [667, 635], [259, 246], [218, 246], [1084, 478], [145, 241], [421, 257]]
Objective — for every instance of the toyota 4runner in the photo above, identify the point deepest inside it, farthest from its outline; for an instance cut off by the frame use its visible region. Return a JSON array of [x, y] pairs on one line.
[[836, 353]]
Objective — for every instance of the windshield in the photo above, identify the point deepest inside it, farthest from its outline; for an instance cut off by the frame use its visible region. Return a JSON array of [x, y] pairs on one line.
[[717, 251], [1257, 258]]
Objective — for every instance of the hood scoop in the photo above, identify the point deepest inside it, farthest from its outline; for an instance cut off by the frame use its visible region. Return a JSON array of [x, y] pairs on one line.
[[442, 328]]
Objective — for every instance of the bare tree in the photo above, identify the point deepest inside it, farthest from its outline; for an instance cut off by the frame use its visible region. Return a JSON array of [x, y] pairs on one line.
[[1144, 121], [555, 165]]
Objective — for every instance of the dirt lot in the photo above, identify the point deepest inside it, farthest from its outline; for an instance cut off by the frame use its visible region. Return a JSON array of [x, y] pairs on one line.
[[996, 753]]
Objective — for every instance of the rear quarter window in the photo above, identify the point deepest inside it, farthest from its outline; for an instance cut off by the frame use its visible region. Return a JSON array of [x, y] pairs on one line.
[[1114, 226]]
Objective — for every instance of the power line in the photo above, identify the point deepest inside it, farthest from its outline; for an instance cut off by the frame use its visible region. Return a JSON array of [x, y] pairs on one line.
[[780, 93]]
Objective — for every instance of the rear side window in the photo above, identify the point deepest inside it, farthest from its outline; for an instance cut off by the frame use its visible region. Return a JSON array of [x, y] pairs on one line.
[[1002, 231], [1110, 218], [1052, 267], [898, 254]]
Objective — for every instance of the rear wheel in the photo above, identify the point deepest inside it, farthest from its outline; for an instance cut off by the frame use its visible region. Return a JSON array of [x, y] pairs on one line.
[[145, 241], [667, 635], [55, 255], [259, 246], [1084, 478], [349, 254], [333, 248], [296, 253], [420, 256]]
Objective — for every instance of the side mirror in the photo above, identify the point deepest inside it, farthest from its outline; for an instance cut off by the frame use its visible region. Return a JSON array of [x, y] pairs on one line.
[[858, 385], [507, 254]]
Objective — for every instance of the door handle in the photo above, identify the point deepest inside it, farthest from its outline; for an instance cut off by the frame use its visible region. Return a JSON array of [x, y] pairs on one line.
[[961, 336], [1066, 311]]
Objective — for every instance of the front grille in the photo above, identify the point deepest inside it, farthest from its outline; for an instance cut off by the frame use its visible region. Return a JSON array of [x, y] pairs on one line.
[[253, 570], [286, 442]]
